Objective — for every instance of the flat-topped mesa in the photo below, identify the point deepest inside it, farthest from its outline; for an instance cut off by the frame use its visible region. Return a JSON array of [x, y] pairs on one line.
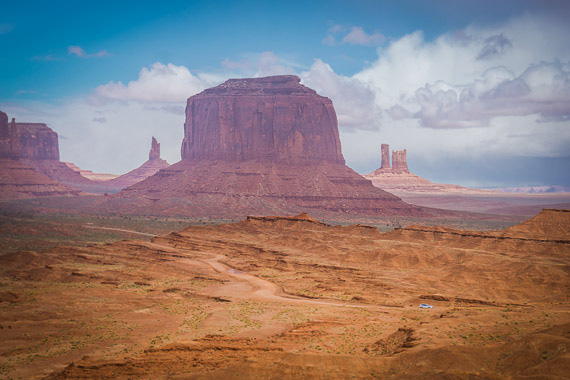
[[399, 163], [33, 141], [273, 119], [154, 149]]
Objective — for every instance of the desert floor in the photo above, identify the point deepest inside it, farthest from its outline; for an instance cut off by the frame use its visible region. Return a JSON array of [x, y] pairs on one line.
[[280, 297]]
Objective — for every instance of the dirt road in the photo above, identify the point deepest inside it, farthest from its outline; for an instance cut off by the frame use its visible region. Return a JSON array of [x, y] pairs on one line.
[[257, 288]]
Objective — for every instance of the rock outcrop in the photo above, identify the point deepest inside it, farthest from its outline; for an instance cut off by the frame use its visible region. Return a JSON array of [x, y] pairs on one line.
[[385, 164], [259, 146], [21, 146], [33, 141], [399, 162], [154, 150], [272, 119], [398, 179], [149, 168]]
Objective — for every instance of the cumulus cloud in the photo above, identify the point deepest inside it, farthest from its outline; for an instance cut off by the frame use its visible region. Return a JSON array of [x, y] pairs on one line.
[[270, 64], [79, 52], [354, 35], [465, 78], [357, 36], [494, 45], [353, 101], [160, 83], [542, 89]]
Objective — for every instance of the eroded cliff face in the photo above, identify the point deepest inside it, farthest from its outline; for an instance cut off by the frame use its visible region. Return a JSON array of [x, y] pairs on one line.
[[272, 119], [399, 162], [32, 141]]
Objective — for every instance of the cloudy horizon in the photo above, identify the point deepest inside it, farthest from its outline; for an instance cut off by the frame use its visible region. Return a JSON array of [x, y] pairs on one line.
[[482, 101]]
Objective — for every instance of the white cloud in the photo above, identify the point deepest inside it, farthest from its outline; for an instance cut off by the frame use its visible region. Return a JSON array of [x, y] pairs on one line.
[[329, 40], [79, 52], [161, 83], [353, 101], [357, 36], [354, 35], [542, 89], [270, 64]]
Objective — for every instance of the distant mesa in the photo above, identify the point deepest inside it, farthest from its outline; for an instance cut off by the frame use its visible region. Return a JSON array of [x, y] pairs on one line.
[[22, 144], [259, 146], [33, 141], [396, 178], [90, 174]]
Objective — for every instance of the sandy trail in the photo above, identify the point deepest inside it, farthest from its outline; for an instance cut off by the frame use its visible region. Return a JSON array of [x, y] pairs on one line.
[[257, 287], [119, 229]]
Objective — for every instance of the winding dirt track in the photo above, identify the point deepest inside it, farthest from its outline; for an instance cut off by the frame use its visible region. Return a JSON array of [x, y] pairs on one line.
[[119, 229], [257, 287]]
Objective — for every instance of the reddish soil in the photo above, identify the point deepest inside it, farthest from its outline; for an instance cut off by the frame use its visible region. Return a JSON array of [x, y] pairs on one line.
[[278, 297]]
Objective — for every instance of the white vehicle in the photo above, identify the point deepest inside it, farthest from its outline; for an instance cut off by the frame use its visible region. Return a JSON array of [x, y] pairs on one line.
[[425, 306]]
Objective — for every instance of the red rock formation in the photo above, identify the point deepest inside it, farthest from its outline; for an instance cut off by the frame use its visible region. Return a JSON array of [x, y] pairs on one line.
[[399, 163], [19, 181], [149, 168], [21, 146], [154, 150], [400, 181], [385, 156], [259, 146], [34, 141], [272, 118], [4, 129]]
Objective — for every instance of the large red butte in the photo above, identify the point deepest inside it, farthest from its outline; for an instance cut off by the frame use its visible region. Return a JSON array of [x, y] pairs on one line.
[[272, 118], [259, 146]]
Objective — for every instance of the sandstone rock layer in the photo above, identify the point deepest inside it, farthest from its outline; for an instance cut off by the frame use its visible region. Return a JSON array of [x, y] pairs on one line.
[[272, 118], [20, 181], [34, 141]]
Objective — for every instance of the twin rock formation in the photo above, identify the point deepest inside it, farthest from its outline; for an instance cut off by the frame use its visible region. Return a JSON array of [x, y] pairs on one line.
[[259, 145], [397, 178]]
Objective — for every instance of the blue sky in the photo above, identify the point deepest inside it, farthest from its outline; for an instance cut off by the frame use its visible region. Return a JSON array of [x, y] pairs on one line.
[[429, 76]]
